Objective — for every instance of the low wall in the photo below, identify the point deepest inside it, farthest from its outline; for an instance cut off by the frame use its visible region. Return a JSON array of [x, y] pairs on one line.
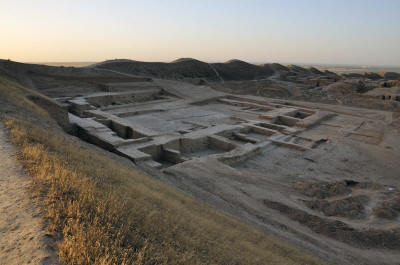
[[56, 110]]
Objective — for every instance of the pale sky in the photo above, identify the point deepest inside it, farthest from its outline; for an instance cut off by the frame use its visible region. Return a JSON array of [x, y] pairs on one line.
[[362, 32]]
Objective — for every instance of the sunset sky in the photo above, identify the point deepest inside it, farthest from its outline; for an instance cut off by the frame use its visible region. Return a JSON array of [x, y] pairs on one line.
[[360, 32]]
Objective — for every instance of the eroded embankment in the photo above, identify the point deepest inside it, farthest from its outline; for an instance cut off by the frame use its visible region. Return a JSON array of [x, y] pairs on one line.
[[349, 200]]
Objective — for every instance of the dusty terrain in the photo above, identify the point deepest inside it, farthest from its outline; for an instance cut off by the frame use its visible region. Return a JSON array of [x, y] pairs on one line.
[[23, 237], [284, 148]]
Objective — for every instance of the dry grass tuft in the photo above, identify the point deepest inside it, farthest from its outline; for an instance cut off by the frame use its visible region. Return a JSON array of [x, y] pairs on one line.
[[104, 211]]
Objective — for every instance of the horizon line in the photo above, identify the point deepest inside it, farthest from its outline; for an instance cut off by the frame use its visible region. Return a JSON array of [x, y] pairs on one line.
[[251, 62]]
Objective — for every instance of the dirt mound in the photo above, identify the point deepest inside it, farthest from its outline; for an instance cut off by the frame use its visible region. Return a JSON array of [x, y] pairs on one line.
[[315, 71], [387, 199], [368, 238], [179, 69], [388, 209], [339, 88], [190, 68], [279, 68], [322, 189], [390, 83], [390, 75], [372, 75], [183, 60], [297, 69], [353, 75], [365, 75], [346, 87], [48, 77], [232, 70], [236, 61], [113, 61], [331, 74], [12, 68], [240, 70], [351, 207]]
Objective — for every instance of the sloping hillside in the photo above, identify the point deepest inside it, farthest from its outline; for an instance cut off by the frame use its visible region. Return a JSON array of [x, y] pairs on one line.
[[178, 69], [240, 70], [232, 70]]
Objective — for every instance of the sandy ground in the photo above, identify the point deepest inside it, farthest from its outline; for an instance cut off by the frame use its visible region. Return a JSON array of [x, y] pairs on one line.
[[23, 238]]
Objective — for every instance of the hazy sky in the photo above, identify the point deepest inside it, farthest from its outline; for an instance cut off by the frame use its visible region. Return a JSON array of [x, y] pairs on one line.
[[299, 31]]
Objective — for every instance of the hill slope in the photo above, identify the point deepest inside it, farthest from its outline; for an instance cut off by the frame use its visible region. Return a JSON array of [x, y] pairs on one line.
[[192, 68], [178, 69]]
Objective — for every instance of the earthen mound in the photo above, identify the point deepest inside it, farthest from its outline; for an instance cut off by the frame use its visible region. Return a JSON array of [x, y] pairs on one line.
[[372, 75], [322, 190], [315, 71], [351, 207], [388, 209], [298, 69], [348, 87], [391, 75], [390, 83], [183, 60], [240, 70], [362, 238], [279, 68]]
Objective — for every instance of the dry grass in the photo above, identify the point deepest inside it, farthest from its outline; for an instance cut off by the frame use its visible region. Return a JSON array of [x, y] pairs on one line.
[[104, 211]]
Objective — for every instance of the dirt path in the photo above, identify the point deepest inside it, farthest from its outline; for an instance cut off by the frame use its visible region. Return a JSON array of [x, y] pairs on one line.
[[23, 239]]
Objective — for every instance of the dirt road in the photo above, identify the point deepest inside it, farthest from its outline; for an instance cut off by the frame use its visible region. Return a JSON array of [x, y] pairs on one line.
[[23, 238]]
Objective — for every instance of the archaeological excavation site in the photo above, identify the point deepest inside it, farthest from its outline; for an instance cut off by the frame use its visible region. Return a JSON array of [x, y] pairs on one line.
[[309, 156]]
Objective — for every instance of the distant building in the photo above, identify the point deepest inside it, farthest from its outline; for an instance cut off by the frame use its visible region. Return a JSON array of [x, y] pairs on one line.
[[385, 93]]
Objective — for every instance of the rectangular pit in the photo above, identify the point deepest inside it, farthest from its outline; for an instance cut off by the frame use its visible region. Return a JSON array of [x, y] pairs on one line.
[[181, 150], [286, 121], [121, 130], [250, 134], [204, 146], [299, 114], [121, 98]]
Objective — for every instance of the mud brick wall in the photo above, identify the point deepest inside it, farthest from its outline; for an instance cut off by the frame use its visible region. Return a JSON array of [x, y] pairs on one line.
[[56, 110]]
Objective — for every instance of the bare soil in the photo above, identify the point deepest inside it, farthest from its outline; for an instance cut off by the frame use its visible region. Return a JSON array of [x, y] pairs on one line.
[[365, 238], [352, 207], [23, 238]]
